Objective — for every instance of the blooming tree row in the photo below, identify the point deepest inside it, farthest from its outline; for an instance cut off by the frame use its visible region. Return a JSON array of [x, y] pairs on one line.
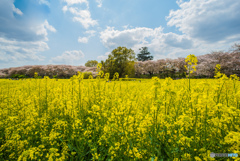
[[229, 61], [61, 71]]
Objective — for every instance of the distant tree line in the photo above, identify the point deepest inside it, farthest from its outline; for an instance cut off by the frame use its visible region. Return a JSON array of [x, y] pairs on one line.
[[124, 61], [53, 71], [229, 61]]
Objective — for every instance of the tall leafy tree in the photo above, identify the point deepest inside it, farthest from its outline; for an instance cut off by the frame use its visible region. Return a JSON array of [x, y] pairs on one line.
[[144, 54], [91, 63], [120, 60]]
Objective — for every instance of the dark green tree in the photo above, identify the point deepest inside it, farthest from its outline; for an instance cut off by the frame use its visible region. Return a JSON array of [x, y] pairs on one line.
[[144, 54], [120, 60], [91, 63]]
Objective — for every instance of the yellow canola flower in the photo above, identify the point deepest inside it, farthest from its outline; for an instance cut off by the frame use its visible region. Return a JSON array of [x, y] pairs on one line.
[[45, 119]]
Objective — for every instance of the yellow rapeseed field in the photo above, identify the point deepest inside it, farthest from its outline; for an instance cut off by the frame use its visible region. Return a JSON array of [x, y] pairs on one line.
[[98, 119]]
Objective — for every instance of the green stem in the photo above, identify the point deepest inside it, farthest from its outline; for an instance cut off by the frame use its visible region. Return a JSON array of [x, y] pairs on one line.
[[189, 77]]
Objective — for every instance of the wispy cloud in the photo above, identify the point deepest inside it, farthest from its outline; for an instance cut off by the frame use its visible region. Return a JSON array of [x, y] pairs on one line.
[[206, 25], [68, 57], [72, 2], [21, 41], [90, 34], [207, 20], [16, 10], [21, 51], [45, 2], [43, 28], [83, 39], [99, 3], [104, 57], [82, 16], [112, 38]]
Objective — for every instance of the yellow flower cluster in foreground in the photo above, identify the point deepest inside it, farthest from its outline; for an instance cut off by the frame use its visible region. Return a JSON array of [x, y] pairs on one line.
[[76, 119]]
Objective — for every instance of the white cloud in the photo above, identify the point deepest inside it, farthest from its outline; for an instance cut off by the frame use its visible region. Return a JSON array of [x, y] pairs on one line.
[[21, 41], [82, 16], [141, 36], [104, 57], [199, 47], [72, 2], [83, 39], [206, 25], [161, 45], [18, 52], [65, 8], [178, 41], [99, 3], [208, 20], [90, 34], [45, 2], [83, 13], [85, 21], [49, 27], [42, 29], [16, 10], [22, 29], [112, 38], [68, 57], [125, 26]]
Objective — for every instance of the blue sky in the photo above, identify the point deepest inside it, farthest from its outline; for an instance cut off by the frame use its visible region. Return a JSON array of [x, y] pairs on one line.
[[39, 32]]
